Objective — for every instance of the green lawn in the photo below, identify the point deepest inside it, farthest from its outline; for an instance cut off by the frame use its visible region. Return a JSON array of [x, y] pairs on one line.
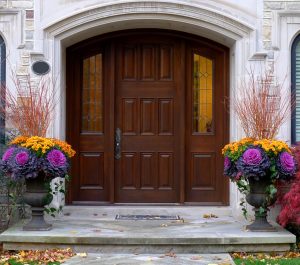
[[282, 261]]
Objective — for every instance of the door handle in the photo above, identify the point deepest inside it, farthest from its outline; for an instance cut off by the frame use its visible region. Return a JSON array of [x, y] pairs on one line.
[[118, 141]]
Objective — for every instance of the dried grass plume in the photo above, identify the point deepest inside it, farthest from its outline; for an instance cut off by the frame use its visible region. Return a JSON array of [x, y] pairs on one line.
[[29, 107], [261, 105]]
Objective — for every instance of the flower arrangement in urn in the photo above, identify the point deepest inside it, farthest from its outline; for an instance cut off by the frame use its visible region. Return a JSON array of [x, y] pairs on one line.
[[257, 162], [38, 160], [32, 157]]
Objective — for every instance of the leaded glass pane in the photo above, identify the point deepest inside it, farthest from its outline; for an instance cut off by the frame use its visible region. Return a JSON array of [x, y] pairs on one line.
[[92, 94], [202, 94]]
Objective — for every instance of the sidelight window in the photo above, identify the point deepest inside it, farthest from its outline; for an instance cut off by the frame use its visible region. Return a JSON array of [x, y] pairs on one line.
[[202, 94], [92, 94]]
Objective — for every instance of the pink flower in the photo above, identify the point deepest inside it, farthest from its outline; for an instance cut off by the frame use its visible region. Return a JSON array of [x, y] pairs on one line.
[[227, 163], [8, 153], [56, 158], [252, 156], [22, 158], [287, 161]]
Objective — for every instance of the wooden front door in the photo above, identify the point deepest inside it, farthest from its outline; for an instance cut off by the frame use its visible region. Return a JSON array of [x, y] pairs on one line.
[[146, 114], [149, 111]]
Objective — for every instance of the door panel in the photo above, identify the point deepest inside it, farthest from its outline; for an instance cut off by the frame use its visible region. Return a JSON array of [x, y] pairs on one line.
[[206, 125], [150, 155], [89, 126]]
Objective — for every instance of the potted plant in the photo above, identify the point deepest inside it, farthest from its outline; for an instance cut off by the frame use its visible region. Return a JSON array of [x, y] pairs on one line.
[[38, 160], [28, 107], [258, 161], [255, 166]]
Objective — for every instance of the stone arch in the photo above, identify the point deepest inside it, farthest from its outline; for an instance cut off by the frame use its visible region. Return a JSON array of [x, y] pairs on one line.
[[197, 18]]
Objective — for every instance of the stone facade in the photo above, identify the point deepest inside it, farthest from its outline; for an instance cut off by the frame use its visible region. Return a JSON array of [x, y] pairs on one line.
[[258, 32]]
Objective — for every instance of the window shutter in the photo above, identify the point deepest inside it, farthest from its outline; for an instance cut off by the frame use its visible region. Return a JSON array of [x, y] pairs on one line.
[[297, 91]]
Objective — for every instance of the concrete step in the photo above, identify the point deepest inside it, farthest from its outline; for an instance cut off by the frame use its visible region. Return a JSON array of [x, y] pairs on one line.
[[104, 234], [154, 259]]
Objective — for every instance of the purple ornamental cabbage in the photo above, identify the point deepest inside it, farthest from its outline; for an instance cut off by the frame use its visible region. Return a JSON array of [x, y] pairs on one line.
[[286, 165], [254, 162], [23, 164], [4, 166], [55, 164], [230, 169]]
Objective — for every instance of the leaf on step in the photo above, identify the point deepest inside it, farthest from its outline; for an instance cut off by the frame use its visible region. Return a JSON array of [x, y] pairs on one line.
[[209, 215], [170, 254], [196, 258], [82, 255]]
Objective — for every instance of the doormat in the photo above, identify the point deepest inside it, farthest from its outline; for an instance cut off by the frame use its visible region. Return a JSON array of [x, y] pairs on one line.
[[146, 217]]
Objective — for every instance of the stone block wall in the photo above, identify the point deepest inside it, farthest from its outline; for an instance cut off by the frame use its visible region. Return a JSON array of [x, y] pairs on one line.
[[24, 10], [269, 7]]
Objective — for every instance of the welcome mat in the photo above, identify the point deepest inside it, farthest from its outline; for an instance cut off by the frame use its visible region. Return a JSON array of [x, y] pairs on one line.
[[146, 217]]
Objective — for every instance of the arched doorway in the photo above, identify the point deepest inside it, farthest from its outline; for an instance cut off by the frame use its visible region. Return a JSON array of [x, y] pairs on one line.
[[146, 113]]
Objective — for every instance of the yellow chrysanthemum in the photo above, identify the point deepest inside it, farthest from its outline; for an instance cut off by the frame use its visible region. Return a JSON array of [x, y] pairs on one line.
[[19, 140], [66, 148], [276, 146], [43, 145], [234, 146], [37, 144]]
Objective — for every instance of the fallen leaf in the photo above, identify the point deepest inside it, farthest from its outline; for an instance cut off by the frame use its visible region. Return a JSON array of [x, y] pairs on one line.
[[196, 258], [209, 215], [170, 254], [163, 225], [83, 255]]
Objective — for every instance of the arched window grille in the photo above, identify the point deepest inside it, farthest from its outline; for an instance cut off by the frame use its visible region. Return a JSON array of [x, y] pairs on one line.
[[296, 90]]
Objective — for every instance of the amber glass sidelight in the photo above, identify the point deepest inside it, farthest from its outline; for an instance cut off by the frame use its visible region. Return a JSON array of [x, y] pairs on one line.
[[202, 94], [92, 94]]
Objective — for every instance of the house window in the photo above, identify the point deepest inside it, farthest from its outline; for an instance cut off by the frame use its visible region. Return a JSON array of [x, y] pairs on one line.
[[2, 85], [296, 90]]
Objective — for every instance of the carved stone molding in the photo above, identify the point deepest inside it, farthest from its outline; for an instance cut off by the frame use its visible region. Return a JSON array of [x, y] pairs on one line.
[[11, 26], [281, 21], [183, 12]]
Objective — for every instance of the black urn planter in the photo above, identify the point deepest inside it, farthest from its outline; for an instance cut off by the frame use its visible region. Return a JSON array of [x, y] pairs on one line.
[[36, 196], [257, 198]]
